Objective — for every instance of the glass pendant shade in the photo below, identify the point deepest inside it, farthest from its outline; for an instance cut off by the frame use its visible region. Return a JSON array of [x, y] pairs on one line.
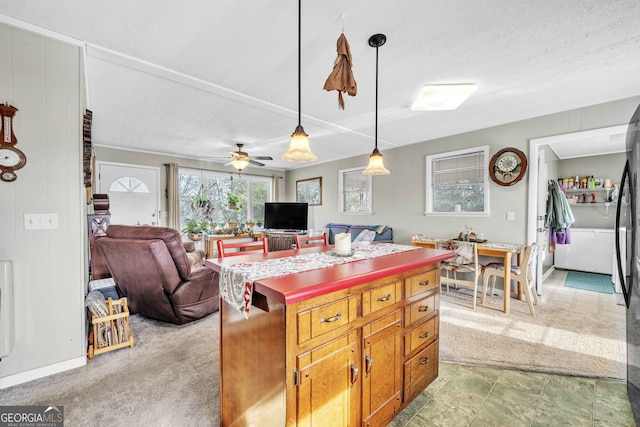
[[299, 150], [239, 163], [376, 166]]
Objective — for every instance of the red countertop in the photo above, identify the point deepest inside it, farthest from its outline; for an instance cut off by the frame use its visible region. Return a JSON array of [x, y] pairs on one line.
[[308, 284]]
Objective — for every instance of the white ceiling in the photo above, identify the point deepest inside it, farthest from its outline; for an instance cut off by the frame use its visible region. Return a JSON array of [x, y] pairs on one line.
[[195, 78]]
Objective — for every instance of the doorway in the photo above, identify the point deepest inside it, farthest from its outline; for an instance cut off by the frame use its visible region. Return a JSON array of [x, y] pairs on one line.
[[133, 192], [580, 144]]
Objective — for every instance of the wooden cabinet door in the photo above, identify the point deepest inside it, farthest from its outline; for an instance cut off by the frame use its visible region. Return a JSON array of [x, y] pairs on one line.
[[382, 365], [329, 384], [420, 371]]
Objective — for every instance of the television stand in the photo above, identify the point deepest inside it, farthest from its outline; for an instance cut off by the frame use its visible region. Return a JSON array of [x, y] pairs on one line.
[[280, 240]]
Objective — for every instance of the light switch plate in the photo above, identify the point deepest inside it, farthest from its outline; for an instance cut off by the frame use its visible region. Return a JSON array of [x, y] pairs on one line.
[[511, 216], [40, 221]]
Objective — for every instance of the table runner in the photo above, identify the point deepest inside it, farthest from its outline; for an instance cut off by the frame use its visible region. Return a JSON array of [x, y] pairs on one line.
[[512, 246], [237, 280]]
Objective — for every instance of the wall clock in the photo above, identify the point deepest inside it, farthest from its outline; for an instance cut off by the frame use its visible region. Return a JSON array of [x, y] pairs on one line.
[[508, 166], [11, 158]]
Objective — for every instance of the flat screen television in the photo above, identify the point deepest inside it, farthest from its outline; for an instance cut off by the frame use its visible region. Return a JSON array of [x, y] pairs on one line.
[[286, 216]]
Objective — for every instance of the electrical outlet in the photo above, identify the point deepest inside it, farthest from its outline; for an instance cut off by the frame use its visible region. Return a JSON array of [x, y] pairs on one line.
[[511, 216]]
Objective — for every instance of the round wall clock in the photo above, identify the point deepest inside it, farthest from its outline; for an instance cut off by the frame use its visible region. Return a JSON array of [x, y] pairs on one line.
[[508, 166]]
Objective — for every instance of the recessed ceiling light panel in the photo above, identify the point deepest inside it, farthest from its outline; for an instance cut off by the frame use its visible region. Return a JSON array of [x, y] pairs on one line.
[[442, 97]]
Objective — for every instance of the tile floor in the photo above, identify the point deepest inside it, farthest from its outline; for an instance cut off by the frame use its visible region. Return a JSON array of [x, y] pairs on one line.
[[481, 396]]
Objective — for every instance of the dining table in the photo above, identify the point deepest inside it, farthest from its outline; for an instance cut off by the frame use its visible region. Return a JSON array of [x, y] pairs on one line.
[[504, 251]]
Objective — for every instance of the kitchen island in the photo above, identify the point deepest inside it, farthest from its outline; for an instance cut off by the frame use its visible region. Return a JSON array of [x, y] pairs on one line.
[[351, 344]]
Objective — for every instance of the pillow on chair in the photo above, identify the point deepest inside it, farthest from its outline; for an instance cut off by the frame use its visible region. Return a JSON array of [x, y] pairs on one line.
[[464, 254]]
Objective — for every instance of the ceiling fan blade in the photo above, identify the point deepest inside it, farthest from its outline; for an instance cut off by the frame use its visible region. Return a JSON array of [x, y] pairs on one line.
[[253, 162], [262, 157]]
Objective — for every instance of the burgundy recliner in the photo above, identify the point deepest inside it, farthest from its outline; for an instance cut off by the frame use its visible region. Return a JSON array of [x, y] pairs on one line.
[[150, 267]]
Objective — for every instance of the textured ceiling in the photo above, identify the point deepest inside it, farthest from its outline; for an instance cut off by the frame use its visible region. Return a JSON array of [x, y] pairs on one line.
[[193, 79]]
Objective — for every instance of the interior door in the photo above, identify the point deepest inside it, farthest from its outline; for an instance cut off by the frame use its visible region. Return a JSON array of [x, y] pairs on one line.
[[542, 233], [133, 192]]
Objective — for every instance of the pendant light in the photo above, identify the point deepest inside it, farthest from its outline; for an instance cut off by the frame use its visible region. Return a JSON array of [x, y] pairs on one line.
[[376, 166], [299, 150]]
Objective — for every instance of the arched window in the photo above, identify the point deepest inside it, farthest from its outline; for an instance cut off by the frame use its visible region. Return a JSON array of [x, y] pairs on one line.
[[128, 184]]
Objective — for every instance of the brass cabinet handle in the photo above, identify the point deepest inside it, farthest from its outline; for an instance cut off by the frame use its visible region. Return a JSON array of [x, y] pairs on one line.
[[424, 361], [387, 298], [368, 364], [423, 309], [331, 319], [425, 283], [354, 373], [425, 335]]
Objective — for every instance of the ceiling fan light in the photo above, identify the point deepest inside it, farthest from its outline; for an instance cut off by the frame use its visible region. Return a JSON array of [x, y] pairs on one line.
[[376, 165], [299, 150], [442, 97], [239, 163]]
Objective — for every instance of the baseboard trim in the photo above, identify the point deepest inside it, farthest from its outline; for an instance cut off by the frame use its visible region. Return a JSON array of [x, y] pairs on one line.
[[45, 371]]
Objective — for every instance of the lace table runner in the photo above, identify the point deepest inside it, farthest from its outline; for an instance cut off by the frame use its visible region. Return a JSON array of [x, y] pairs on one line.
[[512, 246], [237, 280]]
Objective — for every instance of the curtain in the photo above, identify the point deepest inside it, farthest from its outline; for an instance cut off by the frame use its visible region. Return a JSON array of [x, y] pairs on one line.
[[173, 196], [276, 187]]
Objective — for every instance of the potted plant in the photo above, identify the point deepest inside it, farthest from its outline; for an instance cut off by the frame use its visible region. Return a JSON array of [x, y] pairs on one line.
[[233, 202], [201, 205], [193, 228]]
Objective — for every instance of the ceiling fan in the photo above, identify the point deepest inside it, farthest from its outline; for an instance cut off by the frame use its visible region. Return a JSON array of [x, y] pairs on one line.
[[240, 159]]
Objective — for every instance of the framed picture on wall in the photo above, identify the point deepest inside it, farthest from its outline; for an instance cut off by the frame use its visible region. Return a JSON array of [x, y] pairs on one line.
[[309, 191]]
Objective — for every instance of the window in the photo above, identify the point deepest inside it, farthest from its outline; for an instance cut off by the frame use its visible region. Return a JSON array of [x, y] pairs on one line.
[[128, 184], [252, 192], [457, 183], [355, 191]]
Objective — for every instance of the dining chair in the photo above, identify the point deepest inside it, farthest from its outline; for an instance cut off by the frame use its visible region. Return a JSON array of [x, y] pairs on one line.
[[465, 261], [242, 248], [523, 277], [311, 241]]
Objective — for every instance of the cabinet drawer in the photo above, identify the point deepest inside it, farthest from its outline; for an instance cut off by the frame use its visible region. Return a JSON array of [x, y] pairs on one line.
[[421, 335], [422, 282], [420, 371], [421, 309], [381, 297], [325, 318]]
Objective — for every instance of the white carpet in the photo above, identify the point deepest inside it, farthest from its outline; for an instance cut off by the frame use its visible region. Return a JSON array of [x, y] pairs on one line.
[[556, 340]]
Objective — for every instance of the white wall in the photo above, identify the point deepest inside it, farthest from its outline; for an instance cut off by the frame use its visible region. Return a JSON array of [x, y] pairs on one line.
[[399, 198], [42, 78]]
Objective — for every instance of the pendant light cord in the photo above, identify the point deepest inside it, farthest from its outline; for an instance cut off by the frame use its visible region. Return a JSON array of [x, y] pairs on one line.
[[376, 130], [299, 62]]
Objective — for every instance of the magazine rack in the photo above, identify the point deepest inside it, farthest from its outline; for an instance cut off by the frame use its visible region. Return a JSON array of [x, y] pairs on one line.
[[111, 332]]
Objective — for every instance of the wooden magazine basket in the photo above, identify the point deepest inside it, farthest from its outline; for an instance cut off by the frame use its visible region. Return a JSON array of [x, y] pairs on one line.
[[111, 332]]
